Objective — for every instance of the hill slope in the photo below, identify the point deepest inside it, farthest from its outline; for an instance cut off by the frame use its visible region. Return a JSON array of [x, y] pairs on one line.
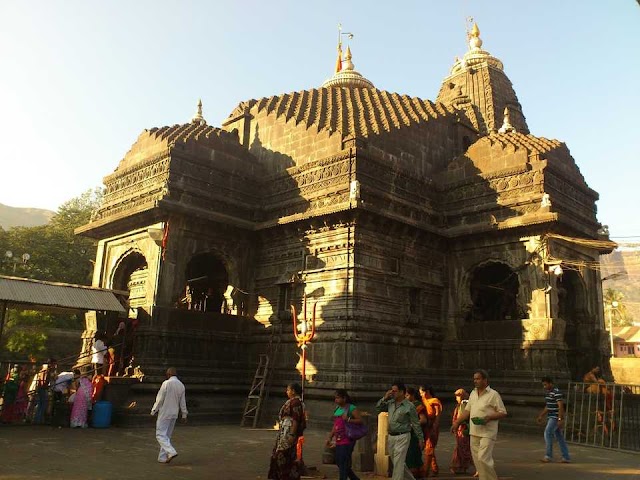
[[627, 260], [23, 217]]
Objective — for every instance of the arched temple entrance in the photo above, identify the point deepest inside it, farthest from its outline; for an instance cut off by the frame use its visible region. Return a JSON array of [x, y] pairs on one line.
[[494, 290], [131, 275], [206, 283]]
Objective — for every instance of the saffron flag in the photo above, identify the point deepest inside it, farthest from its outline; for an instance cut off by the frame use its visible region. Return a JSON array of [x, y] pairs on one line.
[[339, 59]]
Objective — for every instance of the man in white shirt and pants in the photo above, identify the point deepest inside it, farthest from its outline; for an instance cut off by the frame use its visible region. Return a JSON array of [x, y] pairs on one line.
[[485, 408], [169, 401]]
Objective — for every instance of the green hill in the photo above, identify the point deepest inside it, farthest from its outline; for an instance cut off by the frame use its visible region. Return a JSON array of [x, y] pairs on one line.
[[23, 217]]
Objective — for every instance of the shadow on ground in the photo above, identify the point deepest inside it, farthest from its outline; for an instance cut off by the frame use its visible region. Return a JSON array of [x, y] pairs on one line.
[[229, 452]]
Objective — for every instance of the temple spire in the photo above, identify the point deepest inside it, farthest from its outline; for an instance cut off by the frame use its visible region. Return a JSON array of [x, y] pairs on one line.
[[198, 118], [345, 74]]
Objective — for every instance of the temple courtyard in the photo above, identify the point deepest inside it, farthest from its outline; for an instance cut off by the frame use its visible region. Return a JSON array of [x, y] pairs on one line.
[[230, 452]]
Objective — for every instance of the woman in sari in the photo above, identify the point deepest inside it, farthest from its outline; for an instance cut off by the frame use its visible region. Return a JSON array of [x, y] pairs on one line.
[[291, 423], [414, 454], [82, 402], [430, 421], [461, 459], [9, 396]]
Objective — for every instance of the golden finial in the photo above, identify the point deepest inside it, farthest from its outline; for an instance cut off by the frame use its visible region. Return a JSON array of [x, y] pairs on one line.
[[347, 59], [475, 42], [198, 118]]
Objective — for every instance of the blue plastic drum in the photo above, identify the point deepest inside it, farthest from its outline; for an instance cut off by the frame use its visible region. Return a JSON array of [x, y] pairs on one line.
[[101, 417]]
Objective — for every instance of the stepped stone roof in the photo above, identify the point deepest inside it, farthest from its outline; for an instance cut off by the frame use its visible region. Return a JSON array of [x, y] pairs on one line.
[[154, 141], [360, 112], [532, 144], [189, 132]]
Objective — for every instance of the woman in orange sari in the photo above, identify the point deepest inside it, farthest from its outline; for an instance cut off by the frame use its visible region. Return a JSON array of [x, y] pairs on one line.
[[430, 421], [461, 459]]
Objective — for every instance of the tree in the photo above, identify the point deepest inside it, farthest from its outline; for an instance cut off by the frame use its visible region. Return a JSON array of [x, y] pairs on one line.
[[56, 254], [620, 315]]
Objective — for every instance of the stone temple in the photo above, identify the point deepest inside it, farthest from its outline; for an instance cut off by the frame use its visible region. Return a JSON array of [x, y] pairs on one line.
[[434, 237]]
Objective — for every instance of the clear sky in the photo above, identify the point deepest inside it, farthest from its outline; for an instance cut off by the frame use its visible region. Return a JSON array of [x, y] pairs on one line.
[[80, 80]]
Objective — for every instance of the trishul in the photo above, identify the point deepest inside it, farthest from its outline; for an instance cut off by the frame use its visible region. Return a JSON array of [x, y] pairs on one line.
[[305, 335]]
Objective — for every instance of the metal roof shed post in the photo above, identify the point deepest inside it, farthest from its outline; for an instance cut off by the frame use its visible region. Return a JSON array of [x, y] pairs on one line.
[[3, 313]]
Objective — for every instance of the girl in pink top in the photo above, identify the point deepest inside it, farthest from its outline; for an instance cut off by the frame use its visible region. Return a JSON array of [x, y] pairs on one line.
[[344, 413]]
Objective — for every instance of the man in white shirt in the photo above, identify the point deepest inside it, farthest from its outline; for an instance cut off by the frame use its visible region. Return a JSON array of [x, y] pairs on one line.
[[169, 401], [98, 350], [485, 408]]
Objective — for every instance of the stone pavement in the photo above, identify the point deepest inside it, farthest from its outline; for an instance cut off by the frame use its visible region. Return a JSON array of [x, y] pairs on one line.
[[228, 452]]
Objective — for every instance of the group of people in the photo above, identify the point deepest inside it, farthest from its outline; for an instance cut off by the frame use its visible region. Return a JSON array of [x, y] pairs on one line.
[[413, 423], [414, 428], [110, 354], [413, 431], [49, 396]]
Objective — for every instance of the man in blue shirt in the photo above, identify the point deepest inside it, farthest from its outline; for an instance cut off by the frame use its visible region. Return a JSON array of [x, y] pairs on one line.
[[555, 411]]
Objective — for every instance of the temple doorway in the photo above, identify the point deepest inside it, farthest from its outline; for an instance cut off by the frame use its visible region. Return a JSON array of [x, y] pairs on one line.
[[494, 290], [572, 309], [206, 283], [131, 275]]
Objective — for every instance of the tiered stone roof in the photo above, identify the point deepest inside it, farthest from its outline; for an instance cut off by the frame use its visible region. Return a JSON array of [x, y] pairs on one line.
[[534, 145], [157, 140], [361, 112], [189, 132]]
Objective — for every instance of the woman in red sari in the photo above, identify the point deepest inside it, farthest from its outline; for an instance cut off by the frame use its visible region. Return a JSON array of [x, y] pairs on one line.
[[430, 421], [461, 459], [291, 423], [10, 397]]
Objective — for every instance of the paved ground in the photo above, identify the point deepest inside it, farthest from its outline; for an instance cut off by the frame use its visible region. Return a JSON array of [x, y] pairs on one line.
[[229, 452]]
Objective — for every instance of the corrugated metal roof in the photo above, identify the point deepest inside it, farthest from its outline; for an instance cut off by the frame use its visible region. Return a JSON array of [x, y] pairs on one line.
[[55, 296], [626, 334]]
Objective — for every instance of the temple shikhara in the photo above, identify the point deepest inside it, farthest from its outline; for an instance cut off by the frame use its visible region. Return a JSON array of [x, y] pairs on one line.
[[433, 237]]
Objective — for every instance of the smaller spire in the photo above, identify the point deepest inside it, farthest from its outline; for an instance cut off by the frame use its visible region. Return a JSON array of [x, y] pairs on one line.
[[198, 118], [506, 123], [347, 59], [346, 75]]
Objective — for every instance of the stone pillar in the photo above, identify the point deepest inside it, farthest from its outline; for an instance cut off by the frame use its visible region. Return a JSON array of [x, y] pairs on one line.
[[363, 454], [382, 459]]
